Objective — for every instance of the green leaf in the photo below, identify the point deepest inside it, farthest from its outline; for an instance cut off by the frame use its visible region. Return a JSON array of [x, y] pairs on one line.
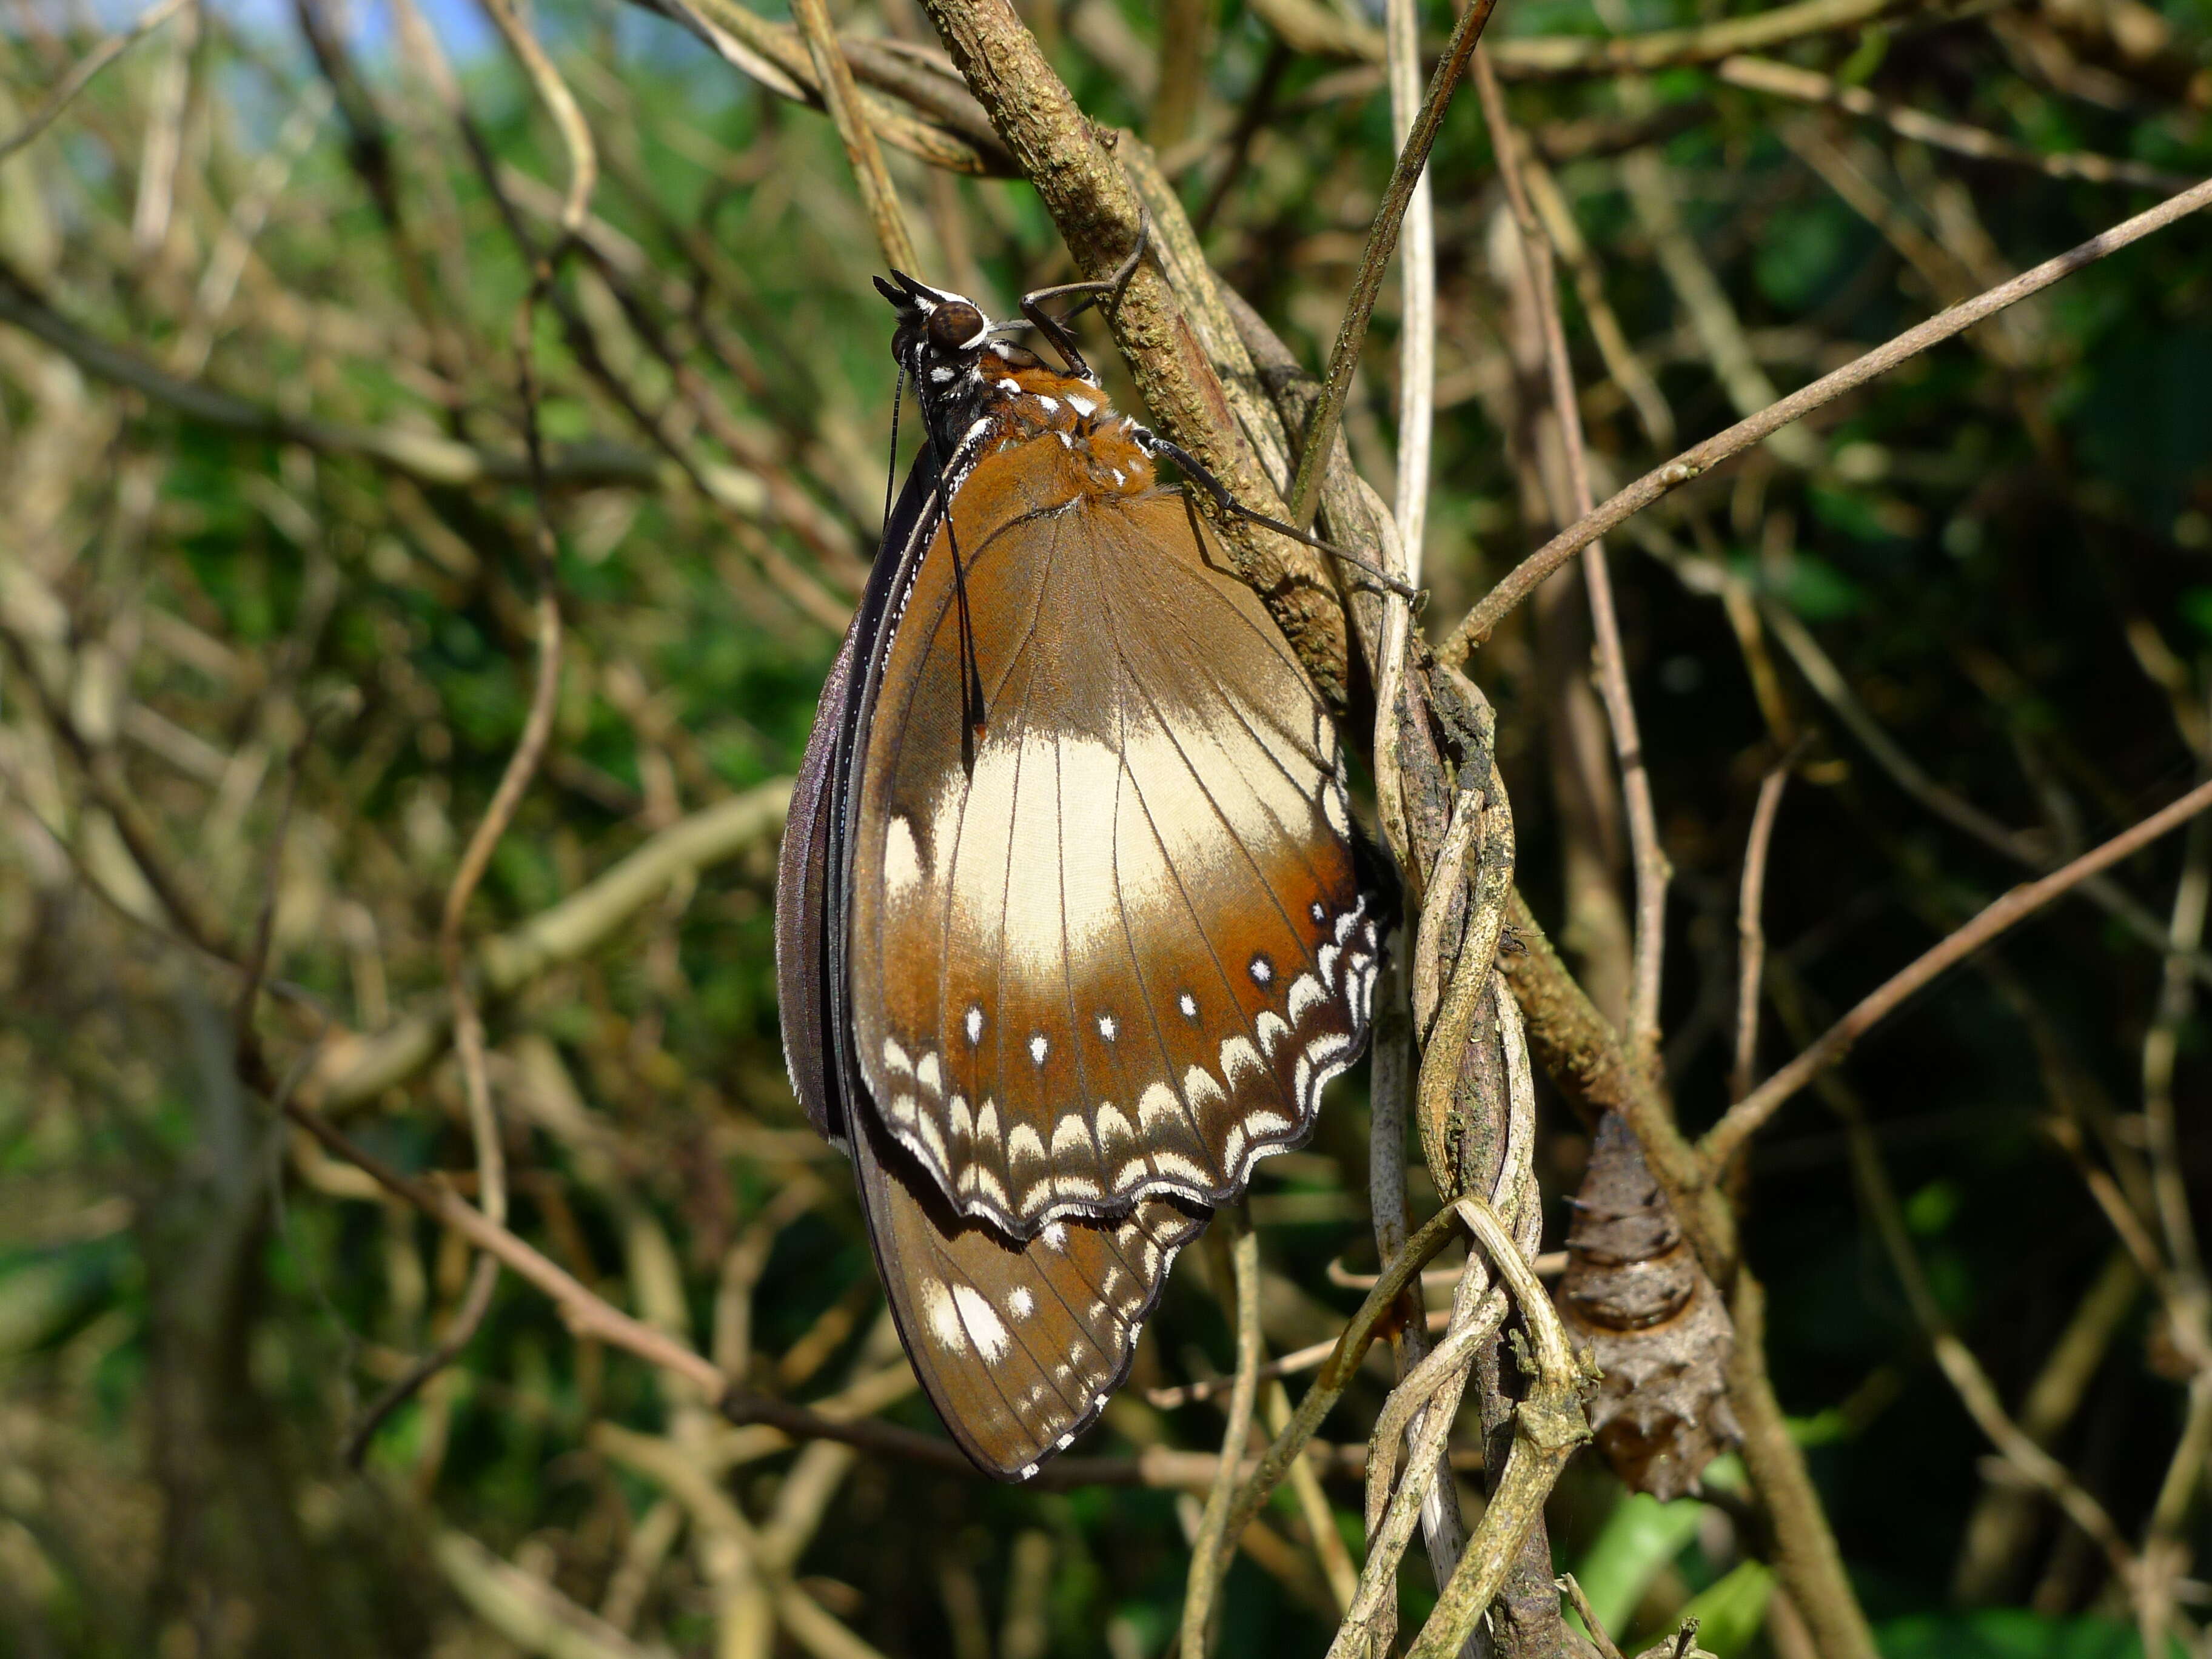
[[1636, 1542], [2009, 1633], [1730, 1612]]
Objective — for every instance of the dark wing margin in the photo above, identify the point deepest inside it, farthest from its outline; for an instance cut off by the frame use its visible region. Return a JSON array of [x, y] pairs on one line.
[[1017, 1345], [812, 1002]]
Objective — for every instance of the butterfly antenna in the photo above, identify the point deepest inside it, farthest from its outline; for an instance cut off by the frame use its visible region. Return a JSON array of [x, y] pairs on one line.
[[971, 671], [891, 473]]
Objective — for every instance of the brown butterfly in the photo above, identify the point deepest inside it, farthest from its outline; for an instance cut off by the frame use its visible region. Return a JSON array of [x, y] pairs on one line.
[[1068, 929]]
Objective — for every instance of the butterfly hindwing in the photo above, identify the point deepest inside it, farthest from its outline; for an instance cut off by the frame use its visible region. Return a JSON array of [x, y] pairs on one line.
[[1017, 1345]]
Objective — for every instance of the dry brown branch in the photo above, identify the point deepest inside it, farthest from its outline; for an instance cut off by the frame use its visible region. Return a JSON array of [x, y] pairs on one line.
[[1751, 932], [1579, 1051], [82, 73], [589, 1316], [1316, 28], [1809, 86], [1621, 361], [833, 76], [1336, 1374], [352, 1070], [1726, 1138], [1652, 871], [1548, 1425], [1208, 1560], [774, 56], [1382, 242], [1476, 627]]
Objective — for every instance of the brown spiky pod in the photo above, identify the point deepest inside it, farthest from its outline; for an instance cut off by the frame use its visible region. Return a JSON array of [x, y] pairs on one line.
[[1636, 1295]]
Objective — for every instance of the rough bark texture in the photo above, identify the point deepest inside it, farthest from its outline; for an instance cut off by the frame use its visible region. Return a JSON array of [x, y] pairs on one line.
[[1635, 1294]]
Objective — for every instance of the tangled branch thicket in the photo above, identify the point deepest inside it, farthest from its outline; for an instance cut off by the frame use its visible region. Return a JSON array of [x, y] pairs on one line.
[[441, 445]]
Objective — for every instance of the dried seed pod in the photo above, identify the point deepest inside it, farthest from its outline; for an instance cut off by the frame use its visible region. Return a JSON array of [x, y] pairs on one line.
[[1636, 1295]]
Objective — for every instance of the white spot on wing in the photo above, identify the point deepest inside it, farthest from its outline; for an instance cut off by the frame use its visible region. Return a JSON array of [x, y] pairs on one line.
[[943, 1318], [1239, 1056], [1022, 1302], [926, 1074], [1113, 1128], [1156, 1105], [974, 1025], [1107, 1028], [983, 1321], [1262, 970], [1038, 1048], [1199, 1086], [902, 858], [894, 1057], [1188, 1003]]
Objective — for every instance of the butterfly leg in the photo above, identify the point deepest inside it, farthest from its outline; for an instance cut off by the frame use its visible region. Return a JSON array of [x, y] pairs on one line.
[[1055, 329], [1196, 470]]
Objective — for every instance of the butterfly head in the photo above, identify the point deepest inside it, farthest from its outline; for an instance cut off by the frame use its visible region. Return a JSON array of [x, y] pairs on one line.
[[940, 335]]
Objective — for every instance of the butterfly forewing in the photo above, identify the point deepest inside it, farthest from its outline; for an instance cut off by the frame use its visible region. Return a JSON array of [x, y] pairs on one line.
[[1112, 945], [809, 886], [1017, 1345]]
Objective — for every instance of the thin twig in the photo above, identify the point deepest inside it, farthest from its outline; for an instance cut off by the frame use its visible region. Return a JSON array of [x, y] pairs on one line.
[[1336, 1375], [1751, 931], [1548, 1425], [842, 99], [506, 799], [1293, 1364], [1722, 1142], [1591, 1622], [1382, 240], [1416, 283], [1828, 684], [1621, 361], [1651, 868], [81, 75], [1479, 624], [1971, 1383], [1810, 86], [589, 1316], [560, 104], [1207, 1561]]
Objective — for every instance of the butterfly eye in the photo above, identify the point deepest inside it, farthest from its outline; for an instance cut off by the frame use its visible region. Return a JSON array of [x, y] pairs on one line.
[[951, 327]]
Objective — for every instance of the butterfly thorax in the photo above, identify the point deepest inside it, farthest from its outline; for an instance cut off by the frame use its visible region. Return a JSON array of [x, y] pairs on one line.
[[981, 394]]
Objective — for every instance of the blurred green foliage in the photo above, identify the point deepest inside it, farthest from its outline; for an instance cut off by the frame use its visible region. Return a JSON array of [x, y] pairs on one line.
[[2005, 548]]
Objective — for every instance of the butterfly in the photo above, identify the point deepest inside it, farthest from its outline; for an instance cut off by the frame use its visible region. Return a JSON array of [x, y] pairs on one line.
[[1069, 928]]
